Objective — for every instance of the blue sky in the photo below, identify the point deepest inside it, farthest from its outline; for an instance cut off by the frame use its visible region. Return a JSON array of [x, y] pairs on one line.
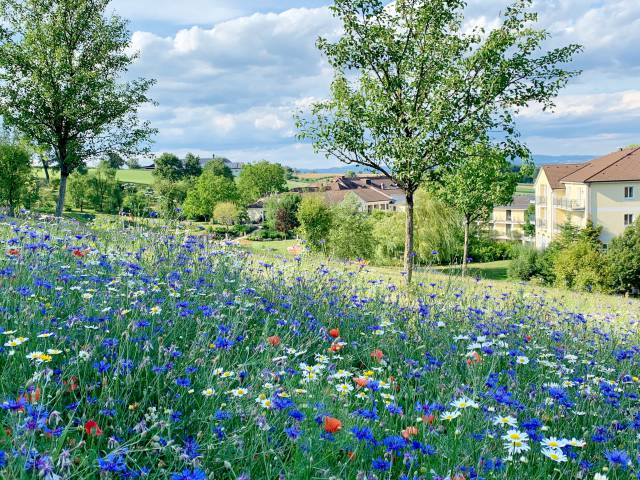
[[231, 73]]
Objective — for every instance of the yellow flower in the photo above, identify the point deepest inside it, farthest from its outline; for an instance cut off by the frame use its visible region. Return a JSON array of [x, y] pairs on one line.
[[39, 357]]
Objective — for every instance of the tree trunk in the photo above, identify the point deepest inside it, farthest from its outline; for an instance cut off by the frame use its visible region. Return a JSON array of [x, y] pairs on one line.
[[45, 167], [62, 192], [465, 252], [408, 244]]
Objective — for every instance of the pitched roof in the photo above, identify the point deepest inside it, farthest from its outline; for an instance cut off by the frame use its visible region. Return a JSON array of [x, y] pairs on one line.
[[556, 172], [623, 165], [520, 202], [365, 194]]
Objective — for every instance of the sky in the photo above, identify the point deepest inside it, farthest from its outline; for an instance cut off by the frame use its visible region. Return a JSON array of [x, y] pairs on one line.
[[231, 73]]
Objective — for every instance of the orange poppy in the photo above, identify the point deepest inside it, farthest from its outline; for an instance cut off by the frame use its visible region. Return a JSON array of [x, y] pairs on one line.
[[475, 358], [335, 347], [409, 432], [334, 332], [274, 340], [429, 419], [332, 425], [377, 354], [361, 381], [14, 252], [78, 253]]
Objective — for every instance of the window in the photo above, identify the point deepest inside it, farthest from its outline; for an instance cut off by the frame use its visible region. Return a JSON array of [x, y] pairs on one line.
[[628, 219], [508, 215], [508, 231], [628, 192]]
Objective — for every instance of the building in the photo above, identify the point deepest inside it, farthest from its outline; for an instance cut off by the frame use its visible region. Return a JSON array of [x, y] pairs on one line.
[[508, 221], [605, 190], [373, 192]]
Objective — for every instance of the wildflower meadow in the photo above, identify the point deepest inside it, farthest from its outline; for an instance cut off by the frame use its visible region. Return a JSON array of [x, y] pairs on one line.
[[150, 353]]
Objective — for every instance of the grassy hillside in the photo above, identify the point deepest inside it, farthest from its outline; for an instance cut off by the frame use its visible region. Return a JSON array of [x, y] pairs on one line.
[[143, 177], [153, 354]]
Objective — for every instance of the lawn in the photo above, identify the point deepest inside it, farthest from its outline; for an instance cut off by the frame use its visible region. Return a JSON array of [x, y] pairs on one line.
[[525, 189], [136, 353], [143, 177]]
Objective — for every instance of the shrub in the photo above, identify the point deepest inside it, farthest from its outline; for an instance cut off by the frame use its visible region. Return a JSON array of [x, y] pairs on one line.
[[207, 191], [624, 260], [525, 263], [315, 217], [226, 213], [351, 232], [281, 213], [582, 266]]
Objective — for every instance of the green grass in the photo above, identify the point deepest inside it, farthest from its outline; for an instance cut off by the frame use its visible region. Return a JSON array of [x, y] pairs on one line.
[[525, 189], [490, 270], [142, 177]]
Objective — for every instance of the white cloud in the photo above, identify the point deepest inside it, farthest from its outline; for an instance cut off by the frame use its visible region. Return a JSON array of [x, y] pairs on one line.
[[231, 82]]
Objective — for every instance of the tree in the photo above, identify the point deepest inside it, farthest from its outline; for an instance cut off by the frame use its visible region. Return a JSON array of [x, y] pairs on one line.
[[529, 227], [104, 190], [219, 168], [192, 167], [171, 196], [168, 167], [15, 175], [61, 63], [226, 213], [412, 89], [281, 213], [623, 255], [114, 160], [207, 191], [79, 189], [351, 234], [482, 179], [133, 163], [315, 218], [257, 180]]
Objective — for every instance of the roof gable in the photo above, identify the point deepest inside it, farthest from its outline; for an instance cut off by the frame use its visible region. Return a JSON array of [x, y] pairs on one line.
[[623, 165]]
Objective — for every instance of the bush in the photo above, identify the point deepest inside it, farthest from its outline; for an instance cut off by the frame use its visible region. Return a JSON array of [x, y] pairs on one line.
[[207, 191], [582, 266], [484, 249], [281, 213], [623, 257], [525, 263], [315, 217], [351, 235], [265, 235]]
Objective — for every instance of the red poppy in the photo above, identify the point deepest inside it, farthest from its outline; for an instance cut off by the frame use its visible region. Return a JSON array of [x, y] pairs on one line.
[[475, 358], [72, 384], [78, 253], [274, 340], [429, 419], [332, 425], [336, 347], [14, 252], [334, 332], [377, 354], [92, 428], [528, 338]]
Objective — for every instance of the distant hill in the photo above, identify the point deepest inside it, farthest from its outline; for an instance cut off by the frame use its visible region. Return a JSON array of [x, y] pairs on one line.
[[539, 160]]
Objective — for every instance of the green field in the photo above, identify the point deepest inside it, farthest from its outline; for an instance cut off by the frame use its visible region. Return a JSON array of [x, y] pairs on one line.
[[143, 177]]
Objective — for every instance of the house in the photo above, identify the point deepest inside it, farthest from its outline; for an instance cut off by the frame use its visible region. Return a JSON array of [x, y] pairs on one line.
[[373, 192], [255, 211], [508, 221], [605, 190]]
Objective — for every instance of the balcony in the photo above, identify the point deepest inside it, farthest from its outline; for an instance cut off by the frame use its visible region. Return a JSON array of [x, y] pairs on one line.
[[568, 204], [541, 201], [541, 224]]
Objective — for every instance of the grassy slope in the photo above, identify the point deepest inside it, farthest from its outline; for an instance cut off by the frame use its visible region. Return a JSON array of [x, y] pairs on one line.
[[143, 177]]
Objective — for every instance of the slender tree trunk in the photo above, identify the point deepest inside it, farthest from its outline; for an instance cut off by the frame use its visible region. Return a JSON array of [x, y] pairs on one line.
[[45, 167], [465, 252], [62, 192], [408, 245]]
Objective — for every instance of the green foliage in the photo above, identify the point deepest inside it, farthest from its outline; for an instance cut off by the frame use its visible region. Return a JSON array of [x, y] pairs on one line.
[[79, 190], [525, 263], [529, 227], [207, 191], [281, 213], [624, 260], [582, 266], [388, 237], [169, 167], [133, 164], [483, 248], [351, 232], [137, 201], [61, 81], [191, 167], [218, 168], [226, 213], [16, 179], [438, 229], [105, 193], [413, 88], [171, 196], [315, 218], [114, 160], [257, 180]]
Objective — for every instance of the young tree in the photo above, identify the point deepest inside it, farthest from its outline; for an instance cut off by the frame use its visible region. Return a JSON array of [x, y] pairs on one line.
[[192, 167], [104, 191], [623, 255], [529, 227], [483, 178], [315, 218], [259, 179], [219, 168], [226, 213], [281, 212], [207, 191], [60, 67], [412, 88], [351, 234], [168, 167], [15, 175], [79, 189], [114, 160]]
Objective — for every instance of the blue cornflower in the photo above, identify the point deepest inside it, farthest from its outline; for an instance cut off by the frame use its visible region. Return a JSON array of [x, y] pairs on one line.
[[3, 459], [363, 434], [186, 474], [394, 443], [380, 464], [183, 382], [618, 458], [293, 432]]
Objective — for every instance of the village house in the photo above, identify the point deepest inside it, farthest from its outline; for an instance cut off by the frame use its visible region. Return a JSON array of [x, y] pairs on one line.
[[605, 190], [507, 221]]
